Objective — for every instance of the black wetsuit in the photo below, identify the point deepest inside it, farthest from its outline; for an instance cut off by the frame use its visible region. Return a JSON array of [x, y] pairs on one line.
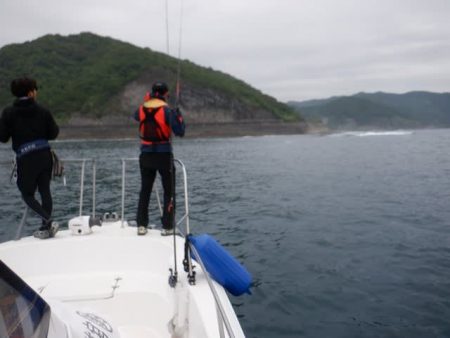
[[27, 123]]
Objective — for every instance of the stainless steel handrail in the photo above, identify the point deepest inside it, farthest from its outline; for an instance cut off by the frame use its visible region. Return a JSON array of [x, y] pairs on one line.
[[82, 176], [22, 223], [186, 202], [186, 198], [221, 312]]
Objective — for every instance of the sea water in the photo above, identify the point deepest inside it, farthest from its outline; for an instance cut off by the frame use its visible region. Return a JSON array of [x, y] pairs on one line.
[[346, 235]]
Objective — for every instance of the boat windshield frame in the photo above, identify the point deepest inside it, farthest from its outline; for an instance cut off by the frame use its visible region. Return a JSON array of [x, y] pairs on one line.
[[23, 312]]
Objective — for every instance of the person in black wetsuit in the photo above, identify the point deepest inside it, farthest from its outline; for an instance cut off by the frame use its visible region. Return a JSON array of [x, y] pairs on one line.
[[30, 126], [156, 124]]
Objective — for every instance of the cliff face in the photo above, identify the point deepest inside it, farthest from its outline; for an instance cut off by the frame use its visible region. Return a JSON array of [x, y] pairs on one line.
[[199, 105]]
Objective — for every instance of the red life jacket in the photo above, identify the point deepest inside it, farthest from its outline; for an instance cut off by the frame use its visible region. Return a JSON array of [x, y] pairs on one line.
[[153, 128]]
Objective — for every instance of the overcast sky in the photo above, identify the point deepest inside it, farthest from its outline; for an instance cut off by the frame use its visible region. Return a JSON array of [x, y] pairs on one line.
[[289, 49]]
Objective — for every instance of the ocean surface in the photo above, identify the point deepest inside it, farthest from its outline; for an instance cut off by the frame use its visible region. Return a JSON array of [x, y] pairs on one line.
[[346, 235]]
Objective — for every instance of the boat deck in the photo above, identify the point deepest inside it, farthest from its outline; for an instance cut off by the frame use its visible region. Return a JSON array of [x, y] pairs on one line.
[[120, 275]]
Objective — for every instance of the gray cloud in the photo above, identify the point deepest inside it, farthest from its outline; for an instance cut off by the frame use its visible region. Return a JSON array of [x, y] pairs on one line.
[[290, 49]]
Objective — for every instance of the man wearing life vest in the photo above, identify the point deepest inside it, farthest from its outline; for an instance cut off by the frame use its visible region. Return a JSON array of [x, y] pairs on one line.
[[156, 124], [30, 126]]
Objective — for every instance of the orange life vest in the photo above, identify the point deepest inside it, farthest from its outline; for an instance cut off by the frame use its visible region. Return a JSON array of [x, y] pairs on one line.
[[153, 128]]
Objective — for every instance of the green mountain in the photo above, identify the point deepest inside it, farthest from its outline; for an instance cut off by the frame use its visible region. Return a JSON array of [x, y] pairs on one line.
[[88, 77], [379, 110]]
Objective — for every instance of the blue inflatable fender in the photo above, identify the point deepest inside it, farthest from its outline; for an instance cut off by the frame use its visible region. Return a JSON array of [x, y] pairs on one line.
[[221, 265]]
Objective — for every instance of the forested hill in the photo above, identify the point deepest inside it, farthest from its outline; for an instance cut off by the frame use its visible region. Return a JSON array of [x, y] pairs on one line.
[[379, 110], [85, 77]]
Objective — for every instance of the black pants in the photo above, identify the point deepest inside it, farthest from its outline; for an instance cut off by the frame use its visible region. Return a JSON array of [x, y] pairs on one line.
[[34, 172], [150, 164]]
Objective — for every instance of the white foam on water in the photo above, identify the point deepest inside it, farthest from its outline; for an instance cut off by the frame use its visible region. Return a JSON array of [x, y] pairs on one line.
[[374, 133]]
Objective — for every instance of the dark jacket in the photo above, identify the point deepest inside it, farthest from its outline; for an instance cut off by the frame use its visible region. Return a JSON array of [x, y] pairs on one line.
[[26, 121]]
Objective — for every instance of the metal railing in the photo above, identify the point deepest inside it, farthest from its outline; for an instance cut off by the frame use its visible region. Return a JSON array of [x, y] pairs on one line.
[[82, 179], [221, 314], [94, 179], [185, 217]]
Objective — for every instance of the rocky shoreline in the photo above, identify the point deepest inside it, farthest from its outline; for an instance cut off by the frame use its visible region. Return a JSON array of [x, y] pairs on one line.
[[203, 130]]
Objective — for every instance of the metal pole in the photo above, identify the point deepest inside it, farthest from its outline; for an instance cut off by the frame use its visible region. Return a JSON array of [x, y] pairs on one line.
[[186, 215], [123, 190], [214, 292], [123, 186], [220, 321], [186, 199], [158, 199], [82, 186], [22, 223], [94, 177]]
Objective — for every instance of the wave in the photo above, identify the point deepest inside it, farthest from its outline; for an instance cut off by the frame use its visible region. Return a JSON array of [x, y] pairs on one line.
[[374, 133]]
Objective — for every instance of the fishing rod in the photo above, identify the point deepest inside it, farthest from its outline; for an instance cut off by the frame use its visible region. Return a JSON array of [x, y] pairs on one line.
[[180, 34], [174, 274], [167, 27]]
